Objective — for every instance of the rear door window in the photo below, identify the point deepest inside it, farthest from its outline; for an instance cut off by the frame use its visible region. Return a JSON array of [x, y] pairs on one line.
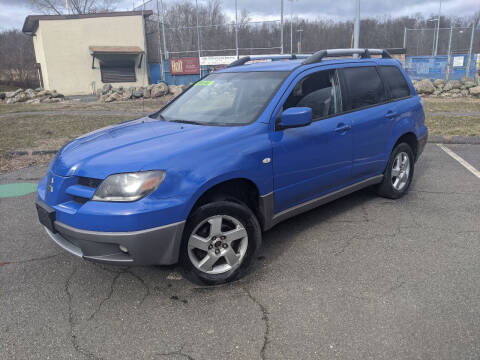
[[363, 87], [395, 82]]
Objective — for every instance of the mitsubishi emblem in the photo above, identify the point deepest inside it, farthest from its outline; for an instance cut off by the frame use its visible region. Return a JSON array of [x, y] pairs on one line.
[[50, 187]]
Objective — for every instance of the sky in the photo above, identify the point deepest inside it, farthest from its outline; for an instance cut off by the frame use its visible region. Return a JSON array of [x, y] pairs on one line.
[[13, 12]]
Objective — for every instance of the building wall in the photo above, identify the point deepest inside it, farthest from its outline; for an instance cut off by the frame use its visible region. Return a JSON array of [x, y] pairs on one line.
[[62, 49]]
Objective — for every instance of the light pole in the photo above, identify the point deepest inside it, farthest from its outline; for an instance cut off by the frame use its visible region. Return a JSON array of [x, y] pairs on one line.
[[281, 26], [356, 28], [299, 47], [434, 35], [291, 25]]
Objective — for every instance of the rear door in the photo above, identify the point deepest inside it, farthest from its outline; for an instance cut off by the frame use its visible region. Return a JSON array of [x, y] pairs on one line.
[[366, 103]]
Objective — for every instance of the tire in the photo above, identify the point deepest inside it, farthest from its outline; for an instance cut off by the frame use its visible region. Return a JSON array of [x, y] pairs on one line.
[[219, 242], [394, 187]]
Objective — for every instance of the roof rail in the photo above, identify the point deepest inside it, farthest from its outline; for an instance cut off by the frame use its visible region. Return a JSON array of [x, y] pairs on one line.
[[364, 54], [246, 59]]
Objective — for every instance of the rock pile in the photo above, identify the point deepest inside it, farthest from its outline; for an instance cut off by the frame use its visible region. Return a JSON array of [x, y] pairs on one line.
[[108, 93], [30, 96], [452, 88]]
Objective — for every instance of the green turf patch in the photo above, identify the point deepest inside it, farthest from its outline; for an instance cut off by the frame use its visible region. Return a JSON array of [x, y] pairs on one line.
[[17, 189]]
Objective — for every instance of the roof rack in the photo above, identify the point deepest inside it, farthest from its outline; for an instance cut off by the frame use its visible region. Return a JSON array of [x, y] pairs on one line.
[[364, 54], [246, 59]]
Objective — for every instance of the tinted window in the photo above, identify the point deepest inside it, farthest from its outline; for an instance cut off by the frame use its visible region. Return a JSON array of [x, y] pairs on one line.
[[318, 91], [394, 81], [364, 87]]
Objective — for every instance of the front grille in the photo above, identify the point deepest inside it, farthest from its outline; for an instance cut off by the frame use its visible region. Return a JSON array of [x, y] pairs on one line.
[[80, 200], [90, 182]]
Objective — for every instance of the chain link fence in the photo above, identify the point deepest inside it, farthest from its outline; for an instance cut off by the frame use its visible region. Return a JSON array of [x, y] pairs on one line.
[[172, 31], [445, 41]]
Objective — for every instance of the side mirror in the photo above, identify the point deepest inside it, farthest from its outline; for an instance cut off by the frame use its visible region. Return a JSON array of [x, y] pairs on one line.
[[295, 117]]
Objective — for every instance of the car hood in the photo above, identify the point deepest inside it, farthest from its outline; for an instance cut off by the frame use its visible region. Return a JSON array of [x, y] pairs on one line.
[[142, 144]]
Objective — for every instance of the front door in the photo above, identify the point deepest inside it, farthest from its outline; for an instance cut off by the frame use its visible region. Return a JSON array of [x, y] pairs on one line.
[[313, 160]]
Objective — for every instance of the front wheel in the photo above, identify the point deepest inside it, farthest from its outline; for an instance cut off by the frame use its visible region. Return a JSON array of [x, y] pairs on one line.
[[219, 242], [399, 172]]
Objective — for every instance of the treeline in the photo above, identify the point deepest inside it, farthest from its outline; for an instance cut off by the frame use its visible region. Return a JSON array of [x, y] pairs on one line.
[[17, 56], [264, 38]]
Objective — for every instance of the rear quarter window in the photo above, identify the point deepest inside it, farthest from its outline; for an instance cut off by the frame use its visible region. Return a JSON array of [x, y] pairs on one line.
[[364, 87], [395, 82]]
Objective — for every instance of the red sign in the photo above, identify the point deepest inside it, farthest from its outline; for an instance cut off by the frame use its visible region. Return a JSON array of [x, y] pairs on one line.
[[185, 66]]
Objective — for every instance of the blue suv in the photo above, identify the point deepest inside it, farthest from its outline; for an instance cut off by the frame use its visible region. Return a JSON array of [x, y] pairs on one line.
[[240, 151]]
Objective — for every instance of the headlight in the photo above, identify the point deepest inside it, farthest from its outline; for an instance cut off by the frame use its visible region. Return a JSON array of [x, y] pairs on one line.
[[129, 186]]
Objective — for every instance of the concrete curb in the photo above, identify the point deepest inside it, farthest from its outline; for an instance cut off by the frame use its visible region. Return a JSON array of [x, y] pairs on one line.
[[472, 140]]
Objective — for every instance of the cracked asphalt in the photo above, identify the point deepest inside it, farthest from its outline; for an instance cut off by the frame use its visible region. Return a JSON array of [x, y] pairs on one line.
[[360, 278]]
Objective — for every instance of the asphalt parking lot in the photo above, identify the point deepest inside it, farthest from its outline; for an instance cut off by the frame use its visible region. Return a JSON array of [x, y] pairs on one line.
[[360, 278]]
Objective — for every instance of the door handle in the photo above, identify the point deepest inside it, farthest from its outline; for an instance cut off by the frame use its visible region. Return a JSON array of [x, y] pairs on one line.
[[342, 128], [390, 114]]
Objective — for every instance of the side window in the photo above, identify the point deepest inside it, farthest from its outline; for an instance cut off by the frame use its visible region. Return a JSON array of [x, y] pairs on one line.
[[318, 91], [394, 81], [364, 87]]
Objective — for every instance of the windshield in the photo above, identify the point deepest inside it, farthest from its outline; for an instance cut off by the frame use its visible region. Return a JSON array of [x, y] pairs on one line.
[[225, 98]]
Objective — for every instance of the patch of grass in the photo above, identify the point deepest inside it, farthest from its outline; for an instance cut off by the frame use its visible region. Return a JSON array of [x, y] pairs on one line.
[[445, 125], [48, 131], [461, 105]]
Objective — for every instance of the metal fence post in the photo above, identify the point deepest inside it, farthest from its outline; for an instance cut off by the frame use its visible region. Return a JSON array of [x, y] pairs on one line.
[[449, 55], [198, 35], [236, 29], [162, 70], [165, 51], [404, 37], [281, 26], [469, 60]]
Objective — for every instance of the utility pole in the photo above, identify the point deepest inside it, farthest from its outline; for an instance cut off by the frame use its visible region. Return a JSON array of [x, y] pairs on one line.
[[438, 28], [356, 29], [281, 26], [236, 29], [67, 6]]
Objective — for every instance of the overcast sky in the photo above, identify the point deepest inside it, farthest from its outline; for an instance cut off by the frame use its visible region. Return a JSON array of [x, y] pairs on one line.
[[13, 12]]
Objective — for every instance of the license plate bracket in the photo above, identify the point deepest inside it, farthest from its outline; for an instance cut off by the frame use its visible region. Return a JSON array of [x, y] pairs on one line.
[[46, 216]]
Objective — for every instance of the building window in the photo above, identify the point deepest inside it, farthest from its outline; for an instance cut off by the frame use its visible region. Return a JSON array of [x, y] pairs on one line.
[[118, 72]]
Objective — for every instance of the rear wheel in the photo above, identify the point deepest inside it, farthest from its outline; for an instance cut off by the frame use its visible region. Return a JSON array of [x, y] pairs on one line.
[[398, 174], [219, 242]]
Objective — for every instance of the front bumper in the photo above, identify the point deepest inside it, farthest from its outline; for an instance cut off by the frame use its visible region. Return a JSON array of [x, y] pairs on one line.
[[156, 246]]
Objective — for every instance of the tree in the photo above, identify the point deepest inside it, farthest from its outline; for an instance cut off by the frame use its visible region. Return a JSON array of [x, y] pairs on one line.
[[58, 7], [17, 58]]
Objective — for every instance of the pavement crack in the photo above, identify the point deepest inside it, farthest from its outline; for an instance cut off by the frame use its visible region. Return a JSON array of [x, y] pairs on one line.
[[142, 281], [265, 319], [71, 322], [179, 352], [29, 260], [106, 298]]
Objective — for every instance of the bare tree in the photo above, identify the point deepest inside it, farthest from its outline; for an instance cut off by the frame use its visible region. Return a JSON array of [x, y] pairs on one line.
[[17, 58], [58, 7]]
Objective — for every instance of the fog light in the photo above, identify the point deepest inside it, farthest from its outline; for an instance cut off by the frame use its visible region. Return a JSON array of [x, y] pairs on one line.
[[123, 249]]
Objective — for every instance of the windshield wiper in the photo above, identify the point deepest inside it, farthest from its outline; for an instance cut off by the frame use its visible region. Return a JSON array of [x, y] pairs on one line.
[[187, 122]]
